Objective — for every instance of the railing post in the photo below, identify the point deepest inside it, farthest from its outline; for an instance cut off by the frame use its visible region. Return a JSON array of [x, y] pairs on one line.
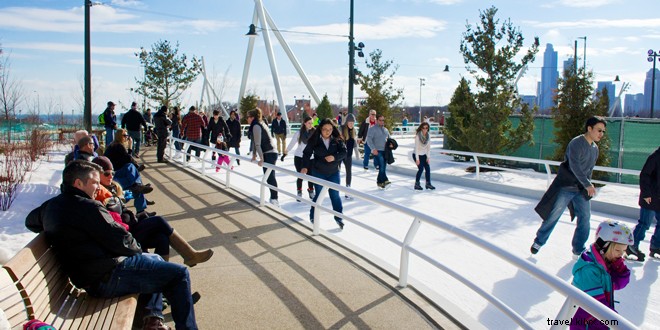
[[566, 312], [476, 164], [321, 195], [548, 174], [405, 254], [262, 191], [227, 178]]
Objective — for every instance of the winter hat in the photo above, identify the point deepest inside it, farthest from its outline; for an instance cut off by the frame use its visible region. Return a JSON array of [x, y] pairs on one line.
[[350, 118], [104, 162]]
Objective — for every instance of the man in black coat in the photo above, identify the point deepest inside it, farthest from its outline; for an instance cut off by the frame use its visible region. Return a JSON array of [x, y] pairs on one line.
[[102, 257], [278, 131], [649, 203], [132, 121]]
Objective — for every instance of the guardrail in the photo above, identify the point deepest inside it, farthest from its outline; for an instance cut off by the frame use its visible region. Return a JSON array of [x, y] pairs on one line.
[[574, 296], [546, 165]]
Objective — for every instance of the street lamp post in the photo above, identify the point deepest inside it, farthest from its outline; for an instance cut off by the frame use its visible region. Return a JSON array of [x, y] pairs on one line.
[[652, 56], [584, 53], [421, 83]]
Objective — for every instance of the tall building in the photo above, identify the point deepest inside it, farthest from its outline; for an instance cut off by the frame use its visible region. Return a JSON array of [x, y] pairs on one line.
[[633, 104], [568, 64], [646, 111], [549, 78], [610, 94]]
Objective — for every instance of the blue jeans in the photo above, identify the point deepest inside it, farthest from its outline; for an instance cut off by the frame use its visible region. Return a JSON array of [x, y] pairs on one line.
[[645, 220], [175, 134], [367, 153], [137, 138], [382, 166], [148, 275], [127, 176], [582, 208], [423, 166], [109, 135], [334, 194]]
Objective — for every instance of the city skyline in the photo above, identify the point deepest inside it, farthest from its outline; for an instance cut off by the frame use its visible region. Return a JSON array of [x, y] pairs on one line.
[[43, 39]]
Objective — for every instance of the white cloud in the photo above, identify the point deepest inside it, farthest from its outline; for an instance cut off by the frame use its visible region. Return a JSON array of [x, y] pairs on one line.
[[598, 23], [103, 63], [104, 19], [587, 3], [70, 48], [446, 2], [388, 28]]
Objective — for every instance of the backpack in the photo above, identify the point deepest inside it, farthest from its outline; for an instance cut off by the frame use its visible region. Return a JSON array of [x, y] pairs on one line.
[[101, 118]]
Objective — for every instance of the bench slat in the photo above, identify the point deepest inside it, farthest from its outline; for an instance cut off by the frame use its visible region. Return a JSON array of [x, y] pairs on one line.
[[41, 290]]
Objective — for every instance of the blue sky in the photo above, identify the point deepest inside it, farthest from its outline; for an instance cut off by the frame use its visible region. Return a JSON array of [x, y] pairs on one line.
[[44, 39]]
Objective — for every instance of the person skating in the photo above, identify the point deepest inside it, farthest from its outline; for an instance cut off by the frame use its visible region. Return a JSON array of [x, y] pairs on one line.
[[601, 270], [328, 149], [572, 185], [377, 138], [300, 139], [422, 154], [649, 207], [263, 148]]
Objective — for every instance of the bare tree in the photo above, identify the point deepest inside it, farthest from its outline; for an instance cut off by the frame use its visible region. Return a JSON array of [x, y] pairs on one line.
[[11, 91]]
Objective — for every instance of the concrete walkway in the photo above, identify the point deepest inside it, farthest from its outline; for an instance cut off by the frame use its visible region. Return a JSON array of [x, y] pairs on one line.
[[269, 272]]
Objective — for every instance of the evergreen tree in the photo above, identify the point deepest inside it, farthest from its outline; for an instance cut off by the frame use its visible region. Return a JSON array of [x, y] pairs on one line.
[[491, 54], [382, 96], [460, 107], [166, 73], [324, 110], [248, 102], [574, 105]]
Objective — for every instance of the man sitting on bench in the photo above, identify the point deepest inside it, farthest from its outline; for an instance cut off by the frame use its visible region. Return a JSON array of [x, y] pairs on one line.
[[100, 256]]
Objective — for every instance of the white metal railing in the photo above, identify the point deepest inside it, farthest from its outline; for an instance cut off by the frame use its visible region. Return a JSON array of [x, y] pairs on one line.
[[574, 296], [546, 164]]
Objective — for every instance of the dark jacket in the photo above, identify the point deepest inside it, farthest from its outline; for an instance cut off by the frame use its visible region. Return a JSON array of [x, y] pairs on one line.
[[362, 132], [235, 133], [132, 120], [390, 145], [317, 148], [161, 122], [118, 155], [649, 182], [110, 118], [85, 238], [564, 179], [278, 127], [217, 128]]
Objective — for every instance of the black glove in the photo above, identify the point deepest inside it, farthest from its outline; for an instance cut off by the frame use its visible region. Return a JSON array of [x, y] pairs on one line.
[[282, 158]]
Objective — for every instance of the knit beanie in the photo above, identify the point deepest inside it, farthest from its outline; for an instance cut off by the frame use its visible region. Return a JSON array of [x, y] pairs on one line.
[[104, 162], [350, 118]]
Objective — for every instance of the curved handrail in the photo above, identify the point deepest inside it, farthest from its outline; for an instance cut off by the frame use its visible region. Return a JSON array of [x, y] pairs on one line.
[[573, 294]]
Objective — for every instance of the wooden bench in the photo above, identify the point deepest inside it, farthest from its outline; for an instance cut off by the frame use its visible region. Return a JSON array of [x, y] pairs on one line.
[[45, 293]]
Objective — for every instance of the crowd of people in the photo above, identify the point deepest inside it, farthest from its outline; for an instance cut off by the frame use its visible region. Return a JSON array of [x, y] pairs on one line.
[[116, 240]]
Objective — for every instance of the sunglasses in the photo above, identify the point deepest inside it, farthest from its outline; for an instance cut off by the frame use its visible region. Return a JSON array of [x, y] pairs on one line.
[[125, 135], [109, 173]]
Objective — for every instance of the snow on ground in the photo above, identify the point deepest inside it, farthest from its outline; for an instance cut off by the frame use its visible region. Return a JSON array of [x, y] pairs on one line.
[[504, 220]]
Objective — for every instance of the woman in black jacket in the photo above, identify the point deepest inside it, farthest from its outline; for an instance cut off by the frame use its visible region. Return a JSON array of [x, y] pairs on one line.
[[235, 134], [329, 150], [217, 126]]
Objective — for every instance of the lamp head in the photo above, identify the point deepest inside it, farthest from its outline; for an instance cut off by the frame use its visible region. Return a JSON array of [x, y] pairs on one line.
[[253, 31], [617, 78], [446, 68]]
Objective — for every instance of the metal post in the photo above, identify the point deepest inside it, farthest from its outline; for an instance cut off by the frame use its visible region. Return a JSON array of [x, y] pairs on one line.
[[421, 83], [351, 61], [652, 57], [87, 115], [575, 57]]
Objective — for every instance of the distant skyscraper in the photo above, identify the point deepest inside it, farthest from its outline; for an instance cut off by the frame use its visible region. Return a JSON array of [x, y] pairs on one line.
[[568, 64], [610, 94], [633, 104], [646, 111], [549, 78], [529, 99]]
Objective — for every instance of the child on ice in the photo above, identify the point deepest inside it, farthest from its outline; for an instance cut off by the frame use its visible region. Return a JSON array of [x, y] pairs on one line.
[[601, 269], [222, 159]]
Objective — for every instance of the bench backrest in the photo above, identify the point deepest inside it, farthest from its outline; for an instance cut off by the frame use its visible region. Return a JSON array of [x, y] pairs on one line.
[[39, 279]]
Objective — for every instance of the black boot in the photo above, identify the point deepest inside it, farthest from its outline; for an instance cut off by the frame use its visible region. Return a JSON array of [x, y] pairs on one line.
[[418, 186], [634, 251], [429, 186], [654, 253]]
